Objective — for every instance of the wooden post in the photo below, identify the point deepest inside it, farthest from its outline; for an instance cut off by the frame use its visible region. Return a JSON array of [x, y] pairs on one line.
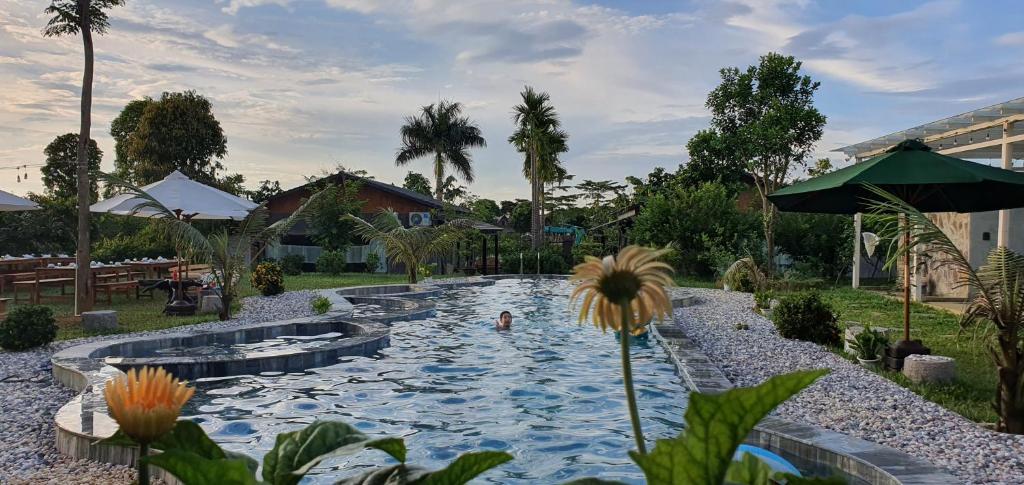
[[856, 249], [1003, 237], [497, 265], [483, 264]]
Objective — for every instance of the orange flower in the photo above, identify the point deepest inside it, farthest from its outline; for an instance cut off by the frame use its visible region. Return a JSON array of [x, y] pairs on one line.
[[634, 276], [146, 403]]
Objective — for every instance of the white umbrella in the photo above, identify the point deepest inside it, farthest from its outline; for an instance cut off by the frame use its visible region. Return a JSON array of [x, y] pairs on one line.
[[191, 199], [10, 202]]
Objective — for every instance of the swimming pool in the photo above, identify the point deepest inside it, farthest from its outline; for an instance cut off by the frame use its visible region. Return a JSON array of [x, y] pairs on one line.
[[549, 392]]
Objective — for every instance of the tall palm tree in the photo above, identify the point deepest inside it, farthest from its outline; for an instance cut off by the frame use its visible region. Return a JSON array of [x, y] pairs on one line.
[[537, 129], [550, 168], [410, 246], [71, 17], [441, 131]]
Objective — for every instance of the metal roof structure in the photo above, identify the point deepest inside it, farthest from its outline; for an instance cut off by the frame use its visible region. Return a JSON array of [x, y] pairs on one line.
[[976, 134]]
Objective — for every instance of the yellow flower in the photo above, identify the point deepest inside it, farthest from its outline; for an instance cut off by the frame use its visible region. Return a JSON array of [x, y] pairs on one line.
[[146, 403], [635, 276]]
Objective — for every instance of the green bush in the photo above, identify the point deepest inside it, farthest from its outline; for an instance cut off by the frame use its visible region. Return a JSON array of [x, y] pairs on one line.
[[146, 243], [763, 299], [372, 262], [805, 316], [28, 326], [586, 249], [331, 262], [551, 262], [291, 264], [745, 276], [268, 279], [321, 305]]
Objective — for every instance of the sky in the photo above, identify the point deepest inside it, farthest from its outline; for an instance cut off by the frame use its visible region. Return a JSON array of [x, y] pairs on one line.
[[301, 86]]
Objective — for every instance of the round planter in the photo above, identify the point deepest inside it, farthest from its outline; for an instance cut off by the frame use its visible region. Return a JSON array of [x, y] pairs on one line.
[[873, 364]]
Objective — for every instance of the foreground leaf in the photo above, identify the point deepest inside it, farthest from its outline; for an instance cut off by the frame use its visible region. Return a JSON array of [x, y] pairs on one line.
[[188, 436], [401, 474], [466, 467], [295, 453], [192, 469], [715, 426], [117, 439], [749, 471], [593, 481], [392, 446]]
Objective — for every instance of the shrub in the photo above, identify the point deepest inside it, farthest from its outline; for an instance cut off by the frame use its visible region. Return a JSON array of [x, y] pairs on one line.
[[146, 243], [372, 262], [292, 264], [869, 344], [763, 299], [268, 278], [805, 316], [745, 276], [426, 270], [331, 262], [551, 262], [321, 305], [28, 326]]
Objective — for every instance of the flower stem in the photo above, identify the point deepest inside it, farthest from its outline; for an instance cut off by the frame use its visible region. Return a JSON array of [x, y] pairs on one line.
[[143, 467], [627, 377]]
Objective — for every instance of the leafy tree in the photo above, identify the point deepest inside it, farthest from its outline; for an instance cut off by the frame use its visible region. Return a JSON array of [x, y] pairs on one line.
[[265, 191], [52, 229], [68, 18], [233, 184], [442, 132], [416, 182], [550, 170], [656, 182], [521, 216], [451, 191], [821, 167], [711, 160], [60, 173], [537, 131], [703, 220], [485, 210], [177, 132], [764, 119], [328, 226], [822, 243], [121, 129]]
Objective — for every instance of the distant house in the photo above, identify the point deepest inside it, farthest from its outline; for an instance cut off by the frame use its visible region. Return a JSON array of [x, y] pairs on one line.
[[412, 207]]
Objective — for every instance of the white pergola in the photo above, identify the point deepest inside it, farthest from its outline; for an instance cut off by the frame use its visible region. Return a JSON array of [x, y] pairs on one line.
[[987, 133]]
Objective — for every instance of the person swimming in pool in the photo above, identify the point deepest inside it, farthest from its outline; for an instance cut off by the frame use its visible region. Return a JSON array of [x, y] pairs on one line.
[[504, 321]]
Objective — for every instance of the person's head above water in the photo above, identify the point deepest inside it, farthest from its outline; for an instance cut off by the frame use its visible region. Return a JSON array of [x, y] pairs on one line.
[[505, 319]]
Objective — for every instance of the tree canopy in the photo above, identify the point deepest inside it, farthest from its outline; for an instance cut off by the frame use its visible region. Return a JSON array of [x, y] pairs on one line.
[[60, 172], [416, 182], [440, 131]]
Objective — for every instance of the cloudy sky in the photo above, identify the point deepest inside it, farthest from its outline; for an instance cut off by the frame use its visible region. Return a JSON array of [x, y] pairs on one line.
[[302, 85]]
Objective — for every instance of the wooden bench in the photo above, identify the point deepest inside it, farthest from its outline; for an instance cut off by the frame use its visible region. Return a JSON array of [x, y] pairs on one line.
[[43, 278], [12, 277], [109, 287]]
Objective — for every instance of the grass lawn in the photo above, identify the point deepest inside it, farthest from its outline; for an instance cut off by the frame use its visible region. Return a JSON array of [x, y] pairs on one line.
[[695, 282], [146, 314], [971, 395]]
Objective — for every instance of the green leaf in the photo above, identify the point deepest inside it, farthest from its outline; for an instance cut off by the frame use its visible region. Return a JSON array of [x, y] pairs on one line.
[[295, 453], [401, 474], [117, 439], [192, 469], [466, 467], [188, 436], [392, 446], [715, 427], [749, 471]]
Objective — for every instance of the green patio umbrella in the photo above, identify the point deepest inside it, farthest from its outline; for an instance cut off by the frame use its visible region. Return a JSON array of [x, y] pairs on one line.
[[929, 181]]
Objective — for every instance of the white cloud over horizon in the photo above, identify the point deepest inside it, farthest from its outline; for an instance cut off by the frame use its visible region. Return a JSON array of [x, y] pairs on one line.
[[301, 85]]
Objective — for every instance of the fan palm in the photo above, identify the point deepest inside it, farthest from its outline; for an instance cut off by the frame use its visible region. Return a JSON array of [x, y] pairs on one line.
[[227, 253], [409, 245], [441, 131], [537, 134], [997, 297], [72, 17]]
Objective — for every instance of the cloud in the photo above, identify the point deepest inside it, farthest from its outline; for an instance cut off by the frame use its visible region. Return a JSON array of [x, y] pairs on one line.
[[1011, 39], [236, 5]]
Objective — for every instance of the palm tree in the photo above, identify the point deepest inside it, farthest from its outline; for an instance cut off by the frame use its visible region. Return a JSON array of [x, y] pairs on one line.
[[441, 131], [71, 17], [410, 246], [551, 171], [537, 134], [997, 290]]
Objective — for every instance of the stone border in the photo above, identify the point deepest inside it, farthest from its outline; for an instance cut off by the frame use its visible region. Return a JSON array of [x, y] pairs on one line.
[[810, 447]]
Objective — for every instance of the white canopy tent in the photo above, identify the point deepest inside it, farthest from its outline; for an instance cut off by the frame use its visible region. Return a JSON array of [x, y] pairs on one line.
[[10, 202], [188, 198], [988, 133]]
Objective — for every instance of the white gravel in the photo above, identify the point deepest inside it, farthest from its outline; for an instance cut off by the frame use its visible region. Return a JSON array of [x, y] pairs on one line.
[[850, 399], [29, 398]]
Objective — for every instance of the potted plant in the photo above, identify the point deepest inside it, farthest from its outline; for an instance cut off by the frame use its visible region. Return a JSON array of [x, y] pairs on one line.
[[869, 345]]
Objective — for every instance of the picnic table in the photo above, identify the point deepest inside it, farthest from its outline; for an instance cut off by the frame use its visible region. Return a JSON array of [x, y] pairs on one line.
[[14, 268], [107, 278], [154, 268]]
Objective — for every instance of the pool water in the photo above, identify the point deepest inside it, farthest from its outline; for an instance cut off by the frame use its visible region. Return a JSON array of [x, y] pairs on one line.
[[549, 392], [254, 349]]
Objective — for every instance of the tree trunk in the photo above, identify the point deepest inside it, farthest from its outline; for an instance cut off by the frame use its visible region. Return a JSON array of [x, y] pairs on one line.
[[412, 270], [768, 221], [438, 177], [536, 229], [225, 301], [83, 276], [1009, 404]]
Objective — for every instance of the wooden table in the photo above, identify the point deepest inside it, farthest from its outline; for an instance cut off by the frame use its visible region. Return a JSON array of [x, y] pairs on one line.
[[67, 273], [154, 269]]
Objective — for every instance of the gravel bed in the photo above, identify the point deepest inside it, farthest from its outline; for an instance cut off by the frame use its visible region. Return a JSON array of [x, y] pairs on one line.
[[850, 399], [29, 398]]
